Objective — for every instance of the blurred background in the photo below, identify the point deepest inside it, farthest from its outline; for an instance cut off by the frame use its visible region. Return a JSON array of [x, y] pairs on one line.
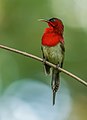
[[20, 29]]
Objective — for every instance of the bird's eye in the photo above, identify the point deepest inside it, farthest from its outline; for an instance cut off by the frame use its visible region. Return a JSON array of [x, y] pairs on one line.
[[52, 20]]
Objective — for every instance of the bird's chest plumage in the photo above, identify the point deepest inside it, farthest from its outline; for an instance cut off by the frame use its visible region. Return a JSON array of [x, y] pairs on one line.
[[53, 54]]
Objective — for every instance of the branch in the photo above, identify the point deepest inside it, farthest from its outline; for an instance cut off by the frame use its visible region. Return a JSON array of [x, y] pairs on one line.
[[48, 63]]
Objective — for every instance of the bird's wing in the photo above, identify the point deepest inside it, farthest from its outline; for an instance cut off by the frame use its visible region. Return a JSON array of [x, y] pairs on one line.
[[46, 67], [63, 52]]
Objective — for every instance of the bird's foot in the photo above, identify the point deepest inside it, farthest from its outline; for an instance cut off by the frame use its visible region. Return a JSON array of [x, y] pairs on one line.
[[57, 67], [44, 61]]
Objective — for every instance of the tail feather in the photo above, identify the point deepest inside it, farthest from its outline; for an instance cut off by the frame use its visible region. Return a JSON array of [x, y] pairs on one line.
[[55, 83], [54, 94]]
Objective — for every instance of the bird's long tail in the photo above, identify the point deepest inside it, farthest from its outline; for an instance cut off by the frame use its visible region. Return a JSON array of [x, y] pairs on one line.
[[55, 83]]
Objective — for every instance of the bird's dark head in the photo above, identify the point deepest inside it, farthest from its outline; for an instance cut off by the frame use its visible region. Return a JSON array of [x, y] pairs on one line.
[[55, 23]]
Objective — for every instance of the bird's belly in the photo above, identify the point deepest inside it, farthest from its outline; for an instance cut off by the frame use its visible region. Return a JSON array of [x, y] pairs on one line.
[[53, 54]]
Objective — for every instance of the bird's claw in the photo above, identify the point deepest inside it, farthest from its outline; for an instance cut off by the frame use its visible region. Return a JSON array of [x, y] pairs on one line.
[[44, 61], [57, 66]]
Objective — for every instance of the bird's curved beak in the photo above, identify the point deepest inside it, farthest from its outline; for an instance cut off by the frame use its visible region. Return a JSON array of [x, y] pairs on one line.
[[43, 20]]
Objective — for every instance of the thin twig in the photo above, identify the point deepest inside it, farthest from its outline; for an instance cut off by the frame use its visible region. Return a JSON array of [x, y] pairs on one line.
[[48, 63]]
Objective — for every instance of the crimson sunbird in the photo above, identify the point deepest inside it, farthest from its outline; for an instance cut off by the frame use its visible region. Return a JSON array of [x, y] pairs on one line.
[[53, 50]]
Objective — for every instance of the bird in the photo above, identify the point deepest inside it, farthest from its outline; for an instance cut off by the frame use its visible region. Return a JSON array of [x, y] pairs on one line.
[[53, 50]]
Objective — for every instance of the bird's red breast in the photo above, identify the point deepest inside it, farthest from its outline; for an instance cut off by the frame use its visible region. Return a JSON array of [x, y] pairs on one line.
[[51, 37]]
